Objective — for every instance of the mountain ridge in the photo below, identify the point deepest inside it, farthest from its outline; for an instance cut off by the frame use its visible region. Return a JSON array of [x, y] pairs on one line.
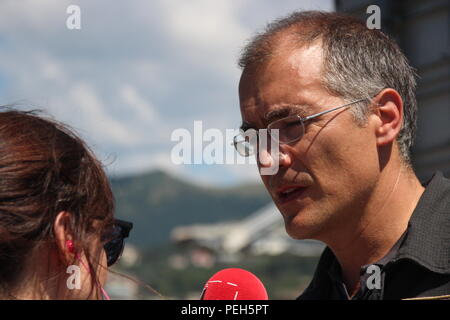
[[156, 202]]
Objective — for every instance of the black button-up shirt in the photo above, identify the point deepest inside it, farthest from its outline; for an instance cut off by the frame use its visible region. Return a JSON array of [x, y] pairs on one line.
[[417, 266]]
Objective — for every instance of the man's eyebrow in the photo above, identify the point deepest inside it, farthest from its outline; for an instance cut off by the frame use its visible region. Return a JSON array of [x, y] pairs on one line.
[[278, 113], [285, 111]]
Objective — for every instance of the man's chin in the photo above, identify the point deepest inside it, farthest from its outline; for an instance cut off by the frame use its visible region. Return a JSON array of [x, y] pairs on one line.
[[299, 234], [300, 227]]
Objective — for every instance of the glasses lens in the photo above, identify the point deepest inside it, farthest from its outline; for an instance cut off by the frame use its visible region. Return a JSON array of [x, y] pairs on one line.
[[289, 129], [114, 247], [243, 146]]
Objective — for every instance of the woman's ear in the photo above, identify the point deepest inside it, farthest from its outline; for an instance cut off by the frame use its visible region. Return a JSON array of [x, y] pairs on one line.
[[64, 237], [390, 113]]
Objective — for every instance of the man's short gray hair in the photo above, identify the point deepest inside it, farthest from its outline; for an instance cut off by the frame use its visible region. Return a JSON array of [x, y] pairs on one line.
[[358, 62]]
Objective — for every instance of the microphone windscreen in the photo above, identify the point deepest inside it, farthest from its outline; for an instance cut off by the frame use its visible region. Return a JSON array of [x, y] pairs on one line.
[[234, 284]]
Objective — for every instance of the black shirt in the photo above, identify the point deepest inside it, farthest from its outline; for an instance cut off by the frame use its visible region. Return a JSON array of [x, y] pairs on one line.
[[418, 265]]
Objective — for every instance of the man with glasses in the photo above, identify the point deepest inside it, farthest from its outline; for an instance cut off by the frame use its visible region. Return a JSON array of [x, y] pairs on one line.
[[339, 101]]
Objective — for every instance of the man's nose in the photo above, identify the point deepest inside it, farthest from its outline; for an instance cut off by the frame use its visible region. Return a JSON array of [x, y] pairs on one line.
[[266, 159]]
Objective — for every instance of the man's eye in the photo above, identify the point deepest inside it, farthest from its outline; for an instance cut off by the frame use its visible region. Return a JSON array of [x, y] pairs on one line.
[[291, 123], [287, 123]]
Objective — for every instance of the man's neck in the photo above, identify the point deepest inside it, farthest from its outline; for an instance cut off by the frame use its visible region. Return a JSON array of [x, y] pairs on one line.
[[384, 220]]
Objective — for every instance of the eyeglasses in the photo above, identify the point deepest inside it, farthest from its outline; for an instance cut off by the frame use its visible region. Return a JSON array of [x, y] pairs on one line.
[[290, 129], [116, 238]]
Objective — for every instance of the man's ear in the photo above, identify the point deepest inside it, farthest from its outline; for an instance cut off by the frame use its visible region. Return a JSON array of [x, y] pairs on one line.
[[63, 236], [389, 109]]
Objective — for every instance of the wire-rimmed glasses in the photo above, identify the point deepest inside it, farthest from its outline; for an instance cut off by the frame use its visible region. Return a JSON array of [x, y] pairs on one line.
[[289, 129]]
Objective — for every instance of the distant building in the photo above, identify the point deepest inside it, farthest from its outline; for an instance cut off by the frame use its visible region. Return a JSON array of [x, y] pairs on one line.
[[119, 287], [261, 233], [422, 29], [130, 256]]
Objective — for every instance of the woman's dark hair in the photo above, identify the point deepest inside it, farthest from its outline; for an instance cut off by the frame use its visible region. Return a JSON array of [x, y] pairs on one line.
[[45, 168]]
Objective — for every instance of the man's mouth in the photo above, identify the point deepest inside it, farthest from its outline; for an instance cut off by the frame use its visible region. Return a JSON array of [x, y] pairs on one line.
[[287, 194]]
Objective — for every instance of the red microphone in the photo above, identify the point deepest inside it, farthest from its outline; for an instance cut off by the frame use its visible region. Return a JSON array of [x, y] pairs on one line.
[[234, 284]]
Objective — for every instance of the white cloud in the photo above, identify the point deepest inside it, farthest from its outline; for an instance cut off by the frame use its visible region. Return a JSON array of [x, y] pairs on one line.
[[31, 14], [209, 30], [95, 116], [135, 71], [143, 109]]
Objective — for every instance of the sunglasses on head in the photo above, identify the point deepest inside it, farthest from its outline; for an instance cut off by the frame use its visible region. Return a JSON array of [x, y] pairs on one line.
[[115, 240]]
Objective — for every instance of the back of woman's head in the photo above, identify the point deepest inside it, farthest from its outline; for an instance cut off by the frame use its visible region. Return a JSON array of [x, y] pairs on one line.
[[45, 169]]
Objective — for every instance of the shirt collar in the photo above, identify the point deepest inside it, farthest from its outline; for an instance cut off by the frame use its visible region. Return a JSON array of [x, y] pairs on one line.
[[335, 273], [428, 234], [426, 240]]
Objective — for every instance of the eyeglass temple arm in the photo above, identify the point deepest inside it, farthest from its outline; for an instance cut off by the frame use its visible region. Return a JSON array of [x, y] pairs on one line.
[[331, 110], [317, 115]]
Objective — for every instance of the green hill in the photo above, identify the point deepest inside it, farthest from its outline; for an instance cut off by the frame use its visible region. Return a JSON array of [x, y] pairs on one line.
[[157, 202]]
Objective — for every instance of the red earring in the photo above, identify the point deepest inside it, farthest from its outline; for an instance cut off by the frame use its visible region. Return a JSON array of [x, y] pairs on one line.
[[70, 246]]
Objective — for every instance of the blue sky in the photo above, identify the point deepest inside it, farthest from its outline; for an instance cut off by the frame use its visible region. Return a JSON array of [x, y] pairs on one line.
[[135, 71]]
